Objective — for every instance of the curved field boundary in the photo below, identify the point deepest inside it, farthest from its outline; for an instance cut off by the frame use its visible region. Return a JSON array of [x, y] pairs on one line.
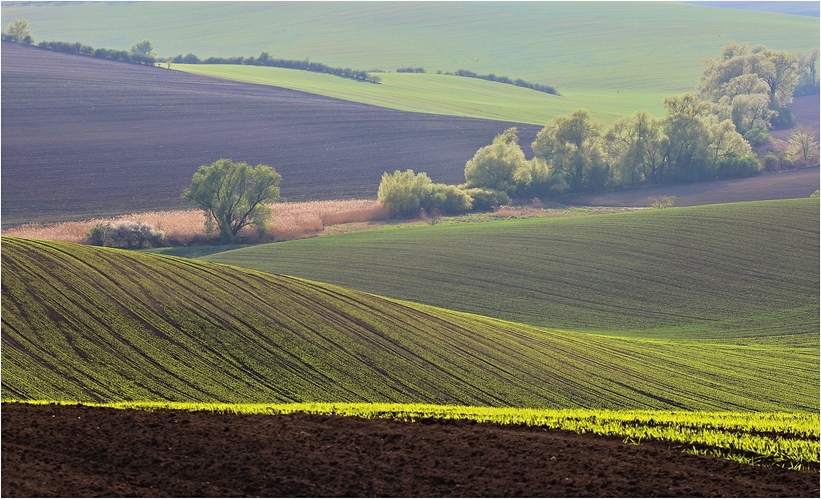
[[444, 94], [95, 324], [781, 439], [742, 270]]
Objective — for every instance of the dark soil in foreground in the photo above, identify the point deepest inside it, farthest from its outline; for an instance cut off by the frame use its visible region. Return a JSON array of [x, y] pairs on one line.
[[82, 451]]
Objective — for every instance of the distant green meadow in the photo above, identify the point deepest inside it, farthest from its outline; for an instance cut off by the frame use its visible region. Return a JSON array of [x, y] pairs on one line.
[[444, 94], [612, 58], [102, 325], [731, 271], [788, 440]]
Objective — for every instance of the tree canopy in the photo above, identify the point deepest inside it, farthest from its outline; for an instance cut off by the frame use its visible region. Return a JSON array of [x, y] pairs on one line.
[[19, 31], [572, 145], [144, 47], [499, 166], [234, 195], [751, 85], [402, 192]]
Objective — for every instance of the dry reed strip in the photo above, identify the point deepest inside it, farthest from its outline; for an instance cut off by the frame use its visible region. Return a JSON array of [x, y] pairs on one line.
[[289, 221]]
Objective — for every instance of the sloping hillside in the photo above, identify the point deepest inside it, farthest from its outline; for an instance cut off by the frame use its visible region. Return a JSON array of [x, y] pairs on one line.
[[94, 324], [740, 270], [84, 137], [633, 47]]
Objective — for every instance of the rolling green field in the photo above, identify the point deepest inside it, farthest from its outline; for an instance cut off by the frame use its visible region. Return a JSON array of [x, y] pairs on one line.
[[442, 94], [96, 324], [696, 326], [612, 58], [741, 270]]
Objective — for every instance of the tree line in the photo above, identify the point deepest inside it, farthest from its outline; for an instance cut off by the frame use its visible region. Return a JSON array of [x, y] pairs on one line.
[[504, 79], [265, 59], [141, 52], [134, 56], [704, 136], [490, 77]]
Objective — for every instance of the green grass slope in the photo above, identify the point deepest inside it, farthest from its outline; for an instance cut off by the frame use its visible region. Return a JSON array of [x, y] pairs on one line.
[[624, 53], [443, 94], [741, 270], [94, 324]]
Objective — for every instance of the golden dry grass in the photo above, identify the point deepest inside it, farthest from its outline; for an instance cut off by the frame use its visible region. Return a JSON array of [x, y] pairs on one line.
[[289, 221]]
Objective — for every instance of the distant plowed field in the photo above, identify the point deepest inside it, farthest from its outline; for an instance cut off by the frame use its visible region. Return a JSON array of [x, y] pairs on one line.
[[782, 185], [84, 137]]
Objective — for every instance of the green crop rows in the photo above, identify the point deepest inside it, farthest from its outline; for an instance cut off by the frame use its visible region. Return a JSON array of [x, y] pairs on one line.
[[741, 270], [782, 439], [96, 324]]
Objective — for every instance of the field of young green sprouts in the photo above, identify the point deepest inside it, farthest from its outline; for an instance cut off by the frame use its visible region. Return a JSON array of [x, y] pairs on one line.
[[96, 324], [741, 270], [781, 439]]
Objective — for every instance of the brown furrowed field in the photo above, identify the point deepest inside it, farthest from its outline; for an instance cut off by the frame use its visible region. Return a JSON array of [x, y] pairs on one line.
[[63, 451], [86, 138]]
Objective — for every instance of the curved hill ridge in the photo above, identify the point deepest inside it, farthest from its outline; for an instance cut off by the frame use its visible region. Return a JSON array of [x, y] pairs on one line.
[[95, 324], [718, 271]]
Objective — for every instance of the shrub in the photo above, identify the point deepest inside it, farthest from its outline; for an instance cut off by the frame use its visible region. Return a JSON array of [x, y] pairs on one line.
[[98, 234], [773, 162], [487, 199], [662, 202], [402, 192], [758, 137], [125, 235], [545, 182], [447, 199], [738, 166], [782, 118], [500, 166]]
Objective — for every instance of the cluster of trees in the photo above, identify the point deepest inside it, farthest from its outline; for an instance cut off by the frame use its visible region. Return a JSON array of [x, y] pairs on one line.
[[704, 136], [407, 194], [410, 70], [750, 86], [573, 153], [265, 59]]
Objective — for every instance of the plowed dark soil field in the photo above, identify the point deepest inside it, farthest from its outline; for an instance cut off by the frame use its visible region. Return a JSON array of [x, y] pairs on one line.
[[69, 451], [782, 185], [82, 137]]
